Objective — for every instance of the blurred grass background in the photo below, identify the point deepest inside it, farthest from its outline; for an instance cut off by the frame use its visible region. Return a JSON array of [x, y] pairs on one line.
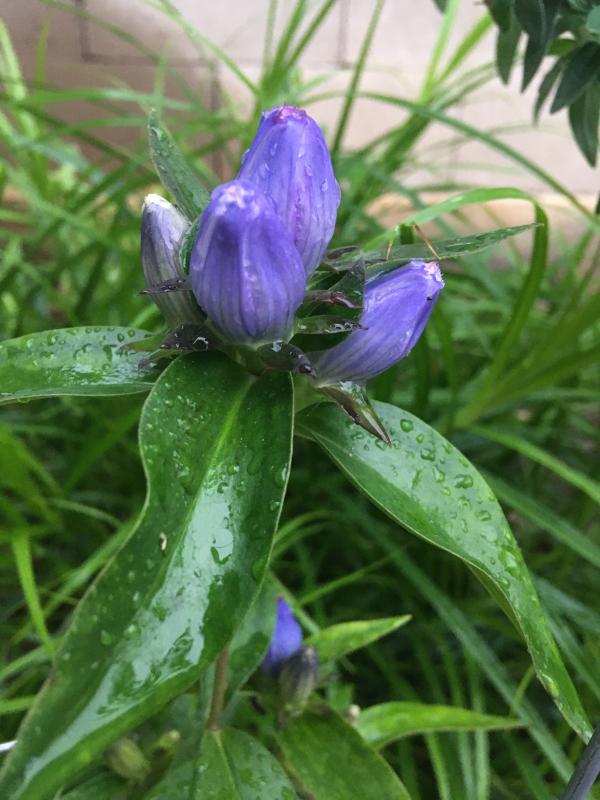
[[508, 369]]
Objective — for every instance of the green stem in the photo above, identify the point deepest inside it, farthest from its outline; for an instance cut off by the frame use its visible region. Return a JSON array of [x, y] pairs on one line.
[[219, 688]]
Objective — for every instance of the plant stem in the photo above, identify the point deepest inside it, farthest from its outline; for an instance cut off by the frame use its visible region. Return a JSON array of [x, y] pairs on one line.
[[586, 771], [219, 687]]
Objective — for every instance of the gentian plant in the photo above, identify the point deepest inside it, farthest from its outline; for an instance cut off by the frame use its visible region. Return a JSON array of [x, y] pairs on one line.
[[184, 644]]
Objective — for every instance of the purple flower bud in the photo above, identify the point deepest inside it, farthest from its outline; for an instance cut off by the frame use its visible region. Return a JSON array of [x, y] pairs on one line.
[[289, 161], [287, 639], [245, 272], [397, 306], [163, 228]]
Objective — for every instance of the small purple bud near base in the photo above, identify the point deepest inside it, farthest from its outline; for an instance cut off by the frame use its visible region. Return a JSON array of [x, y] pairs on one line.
[[163, 229], [286, 640], [289, 161], [245, 272], [397, 306]]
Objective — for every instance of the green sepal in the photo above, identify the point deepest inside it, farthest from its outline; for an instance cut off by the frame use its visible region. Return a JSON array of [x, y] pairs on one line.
[[352, 399]]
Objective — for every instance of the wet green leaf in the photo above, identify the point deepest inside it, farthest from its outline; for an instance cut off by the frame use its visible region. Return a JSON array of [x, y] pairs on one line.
[[103, 786], [235, 766], [382, 724], [174, 171], [73, 361], [316, 746], [251, 641], [216, 445], [430, 488], [381, 261], [338, 640]]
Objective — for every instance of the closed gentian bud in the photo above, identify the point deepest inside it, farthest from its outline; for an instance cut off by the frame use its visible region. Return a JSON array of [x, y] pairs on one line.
[[286, 640], [397, 306], [245, 272], [163, 228], [298, 677], [289, 161]]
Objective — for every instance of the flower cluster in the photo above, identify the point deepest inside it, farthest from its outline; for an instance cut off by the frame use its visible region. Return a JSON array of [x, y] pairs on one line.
[[259, 241]]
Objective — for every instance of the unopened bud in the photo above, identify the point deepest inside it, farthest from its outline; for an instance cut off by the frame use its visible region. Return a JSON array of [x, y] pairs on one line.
[[298, 677], [126, 759]]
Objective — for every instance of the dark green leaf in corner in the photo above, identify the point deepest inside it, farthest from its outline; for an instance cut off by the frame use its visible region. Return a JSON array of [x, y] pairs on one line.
[[216, 446], [332, 761], [74, 361], [427, 486], [584, 118], [174, 171]]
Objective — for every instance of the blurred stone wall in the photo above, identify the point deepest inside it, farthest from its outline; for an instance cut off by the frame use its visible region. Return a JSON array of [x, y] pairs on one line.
[[86, 53]]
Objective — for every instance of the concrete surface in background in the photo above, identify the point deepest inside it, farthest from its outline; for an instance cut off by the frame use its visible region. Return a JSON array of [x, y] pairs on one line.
[[85, 53]]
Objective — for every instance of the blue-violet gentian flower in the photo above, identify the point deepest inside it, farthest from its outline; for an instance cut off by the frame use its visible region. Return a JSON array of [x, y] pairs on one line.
[[285, 642], [289, 161], [397, 307], [163, 228], [245, 271]]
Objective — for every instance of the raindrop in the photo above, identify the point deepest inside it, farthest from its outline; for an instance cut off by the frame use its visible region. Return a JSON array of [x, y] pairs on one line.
[[463, 481], [105, 638], [407, 426], [439, 476], [131, 631]]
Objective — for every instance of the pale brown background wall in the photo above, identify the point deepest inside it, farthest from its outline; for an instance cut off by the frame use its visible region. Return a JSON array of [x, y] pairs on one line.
[[82, 54]]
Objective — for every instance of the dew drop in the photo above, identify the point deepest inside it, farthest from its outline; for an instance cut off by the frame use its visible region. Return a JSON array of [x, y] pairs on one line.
[[463, 481], [105, 638]]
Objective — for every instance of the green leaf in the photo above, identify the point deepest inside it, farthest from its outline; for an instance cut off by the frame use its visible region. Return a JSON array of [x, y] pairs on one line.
[[547, 85], [216, 446], [584, 117], [380, 262], [501, 12], [506, 48], [103, 786], [532, 16], [73, 361], [430, 488], [235, 766], [175, 173], [338, 640], [582, 68], [382, 724], [332, 761], [251, 641], [592, 22]]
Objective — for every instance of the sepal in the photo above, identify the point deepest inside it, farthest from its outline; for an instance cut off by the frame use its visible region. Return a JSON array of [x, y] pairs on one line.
[[352, 398], [285, 357], [326, 323]]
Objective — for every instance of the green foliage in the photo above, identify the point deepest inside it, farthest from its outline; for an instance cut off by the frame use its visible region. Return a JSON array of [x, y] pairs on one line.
[[568, 31], [508, 374]]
